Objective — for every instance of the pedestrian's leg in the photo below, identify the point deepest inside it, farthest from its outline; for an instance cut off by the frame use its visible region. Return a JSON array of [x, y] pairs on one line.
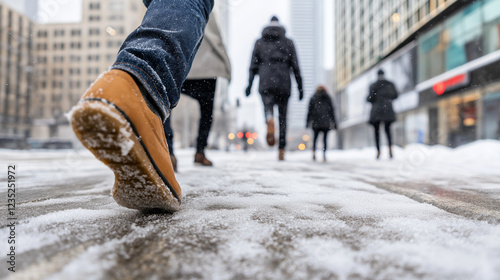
[[159, 53], [315, 138], [204, 91], [268, 100], [282, 101], [120, 117], [376, 126], [325, 143], [389, 137], [169, 134]]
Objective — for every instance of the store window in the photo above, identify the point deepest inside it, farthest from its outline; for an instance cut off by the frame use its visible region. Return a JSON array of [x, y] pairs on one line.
[[491, 116], [464, 37], [461, 119], [491, 16], [430, 54]]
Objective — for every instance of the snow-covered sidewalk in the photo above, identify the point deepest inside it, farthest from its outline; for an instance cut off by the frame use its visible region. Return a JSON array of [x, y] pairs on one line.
[[252, 217]]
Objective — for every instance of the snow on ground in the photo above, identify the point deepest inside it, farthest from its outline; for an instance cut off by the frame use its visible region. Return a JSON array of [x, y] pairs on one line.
[[252, 217]]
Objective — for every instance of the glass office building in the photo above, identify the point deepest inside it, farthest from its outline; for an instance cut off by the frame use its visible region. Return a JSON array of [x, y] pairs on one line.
[[448, 77]]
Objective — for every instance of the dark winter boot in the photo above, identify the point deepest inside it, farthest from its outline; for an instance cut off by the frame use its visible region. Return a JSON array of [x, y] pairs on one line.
[[314, 156], [390, 151], [281, 155], [200, 159], [270, 132], [378, 154]]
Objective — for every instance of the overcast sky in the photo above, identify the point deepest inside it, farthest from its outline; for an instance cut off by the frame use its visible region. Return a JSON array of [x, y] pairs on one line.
[[58, 11], [50, 11]]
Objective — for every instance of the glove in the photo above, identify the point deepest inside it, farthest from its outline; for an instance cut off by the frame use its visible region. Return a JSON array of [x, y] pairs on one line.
[[301, 94], [248, 91]]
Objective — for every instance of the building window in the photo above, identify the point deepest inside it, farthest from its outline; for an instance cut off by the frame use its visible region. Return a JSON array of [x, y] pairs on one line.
[[95, 6], [94, 45], [42, 34], [76, 32], [94, 31], [59, 33], [94, 18]]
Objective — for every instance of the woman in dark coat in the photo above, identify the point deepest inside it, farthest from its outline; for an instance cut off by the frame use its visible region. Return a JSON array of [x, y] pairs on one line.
[[381, 95], [322, 117]]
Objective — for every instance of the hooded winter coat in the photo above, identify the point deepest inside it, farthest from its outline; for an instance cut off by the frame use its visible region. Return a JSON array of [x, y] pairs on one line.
[[381, 95], [273, 59], [211, 60], [321, 112]]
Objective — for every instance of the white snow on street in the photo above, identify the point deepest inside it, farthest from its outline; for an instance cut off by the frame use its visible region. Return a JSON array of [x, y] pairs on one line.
[[252, 217]]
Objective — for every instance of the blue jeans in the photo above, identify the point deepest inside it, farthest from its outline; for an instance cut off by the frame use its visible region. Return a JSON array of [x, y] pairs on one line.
[[159, 53]]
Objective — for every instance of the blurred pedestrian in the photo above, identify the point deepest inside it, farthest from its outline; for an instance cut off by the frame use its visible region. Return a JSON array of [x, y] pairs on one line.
[[321, 117], [210, 62], [381, 95], [120, 117], [273, 59]]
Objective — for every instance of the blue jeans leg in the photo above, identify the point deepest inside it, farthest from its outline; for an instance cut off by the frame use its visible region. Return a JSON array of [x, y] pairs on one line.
[[159, 53]]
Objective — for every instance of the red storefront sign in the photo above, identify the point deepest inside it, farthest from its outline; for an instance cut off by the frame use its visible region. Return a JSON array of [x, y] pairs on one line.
[[459, 80]]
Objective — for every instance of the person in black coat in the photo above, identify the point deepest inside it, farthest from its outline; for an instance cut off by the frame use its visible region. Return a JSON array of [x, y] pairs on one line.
[[381, 95], [273, 59], [321, 116]]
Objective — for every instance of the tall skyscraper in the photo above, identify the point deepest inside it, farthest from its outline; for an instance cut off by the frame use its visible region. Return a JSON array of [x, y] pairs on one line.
[[306, 30]]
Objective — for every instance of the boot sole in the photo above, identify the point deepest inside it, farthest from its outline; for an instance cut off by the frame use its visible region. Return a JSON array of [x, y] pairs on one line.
[[106, 132]]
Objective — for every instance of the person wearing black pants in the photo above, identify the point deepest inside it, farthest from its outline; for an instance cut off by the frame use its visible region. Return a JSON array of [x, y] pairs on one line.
[[279, 98], [321, 114], [325, 142], [387, 125], [381, 95], [210, 63], [274, 58], [203, 91]]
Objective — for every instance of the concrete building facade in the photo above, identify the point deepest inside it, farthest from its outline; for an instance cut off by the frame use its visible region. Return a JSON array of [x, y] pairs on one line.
[[16, 77], [71, 56]]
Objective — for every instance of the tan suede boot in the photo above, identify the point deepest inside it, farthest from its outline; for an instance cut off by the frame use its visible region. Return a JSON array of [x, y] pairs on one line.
[[281, 155], [201, 159], [113, 121], [270, 132]]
